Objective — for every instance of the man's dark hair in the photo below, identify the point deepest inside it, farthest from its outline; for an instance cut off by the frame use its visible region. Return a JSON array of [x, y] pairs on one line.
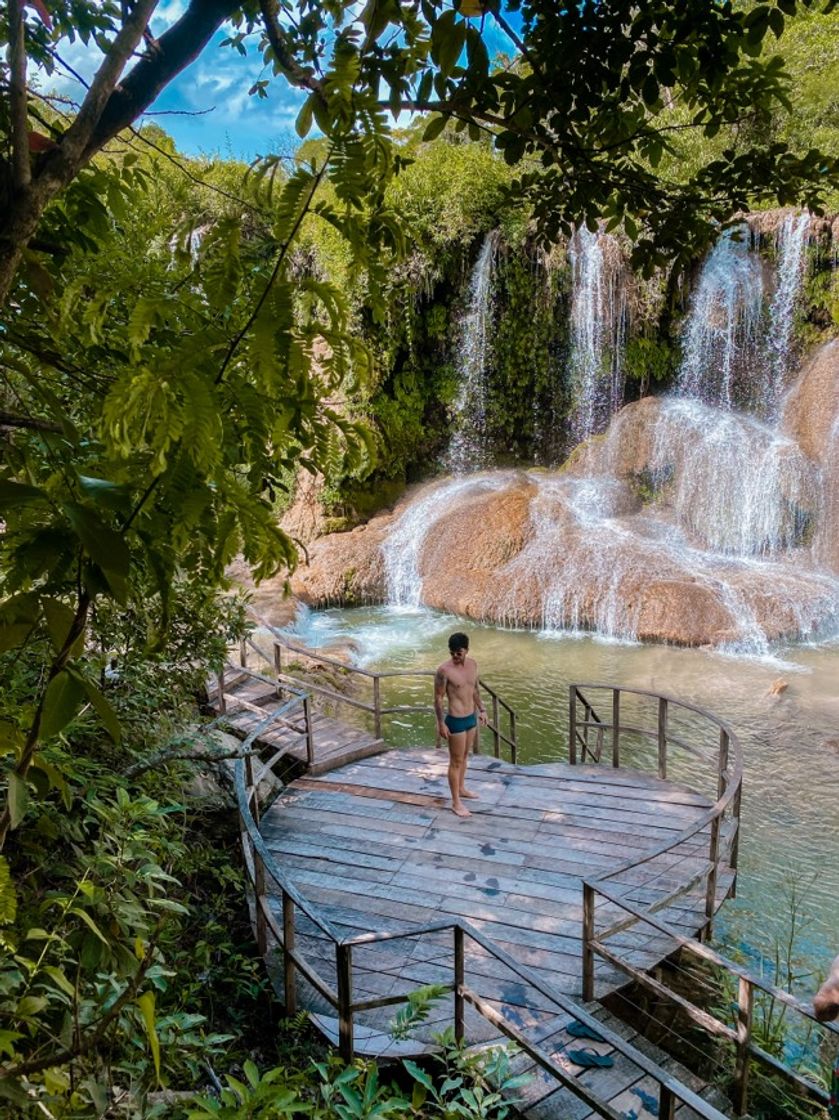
[[458, 641]]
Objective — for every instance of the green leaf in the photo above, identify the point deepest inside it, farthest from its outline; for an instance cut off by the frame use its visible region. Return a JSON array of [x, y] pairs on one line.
[[58, 977], [11, 1090], [304, 118], [419, 1075], [433, 129], [63, 699], [649, 90], [17, 617], [18, 494], [59, 618], [8, 896], [100, 705], [146, 1005], [89, 922], [18, 799], [105, 546]]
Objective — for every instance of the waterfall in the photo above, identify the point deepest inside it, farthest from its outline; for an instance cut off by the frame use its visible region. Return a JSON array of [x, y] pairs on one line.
[[790, 242], [691, 520], [467, 450], [721, 331], [402, 549], [735, 484], [598, 317]]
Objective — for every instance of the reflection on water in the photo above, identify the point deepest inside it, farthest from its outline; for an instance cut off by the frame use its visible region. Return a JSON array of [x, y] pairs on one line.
[[790, 741]]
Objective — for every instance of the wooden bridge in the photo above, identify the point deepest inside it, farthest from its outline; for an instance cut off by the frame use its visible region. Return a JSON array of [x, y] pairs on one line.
[[569, 880]]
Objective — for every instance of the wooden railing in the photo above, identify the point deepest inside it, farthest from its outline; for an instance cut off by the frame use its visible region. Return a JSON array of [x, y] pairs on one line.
[[501, 718], [738, 1032], [336, 989], [716, 833]]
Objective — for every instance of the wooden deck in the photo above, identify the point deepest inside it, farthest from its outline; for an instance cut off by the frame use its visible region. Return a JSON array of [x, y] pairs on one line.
[[250, 698], [374, 847]]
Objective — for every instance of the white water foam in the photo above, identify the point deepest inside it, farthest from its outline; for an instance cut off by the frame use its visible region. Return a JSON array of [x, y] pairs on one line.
[[402, 549], [467, 449]]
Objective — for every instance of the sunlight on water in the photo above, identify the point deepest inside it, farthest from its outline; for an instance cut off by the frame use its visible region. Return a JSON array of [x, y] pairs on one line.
[[790, 741]]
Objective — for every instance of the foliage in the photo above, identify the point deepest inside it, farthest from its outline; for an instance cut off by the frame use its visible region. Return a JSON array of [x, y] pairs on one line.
[[471, 1086], [527, 398]]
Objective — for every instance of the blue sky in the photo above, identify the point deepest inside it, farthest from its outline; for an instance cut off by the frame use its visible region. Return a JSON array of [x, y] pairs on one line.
[[216, 86]]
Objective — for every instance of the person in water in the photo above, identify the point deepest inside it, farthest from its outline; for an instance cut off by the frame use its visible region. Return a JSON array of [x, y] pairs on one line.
[[826, 1008], [456, 680]]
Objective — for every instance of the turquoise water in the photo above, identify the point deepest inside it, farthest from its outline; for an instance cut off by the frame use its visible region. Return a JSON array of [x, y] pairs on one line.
[[790, 742]]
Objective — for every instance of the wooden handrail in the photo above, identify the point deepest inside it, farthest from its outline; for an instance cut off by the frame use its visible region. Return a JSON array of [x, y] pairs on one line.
[[747, 983], [376, 709]]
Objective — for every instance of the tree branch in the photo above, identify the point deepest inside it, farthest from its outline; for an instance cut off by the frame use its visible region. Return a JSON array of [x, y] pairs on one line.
[[90, 1041], [283, 53], [8, 420], [173, 51], [76, 141], [21, 168]]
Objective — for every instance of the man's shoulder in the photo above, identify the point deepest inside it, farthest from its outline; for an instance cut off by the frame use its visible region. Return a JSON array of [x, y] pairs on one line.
[[442, 670]]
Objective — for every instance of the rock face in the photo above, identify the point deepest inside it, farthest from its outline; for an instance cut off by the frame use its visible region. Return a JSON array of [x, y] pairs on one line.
[[683, 523], [811, 416]]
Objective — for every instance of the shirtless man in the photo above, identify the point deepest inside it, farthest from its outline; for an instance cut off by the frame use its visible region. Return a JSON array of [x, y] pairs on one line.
[[457, 681]]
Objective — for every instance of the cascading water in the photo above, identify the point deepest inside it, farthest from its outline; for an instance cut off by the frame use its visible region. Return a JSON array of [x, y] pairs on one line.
[[689, 521], [722, 328], [467, 450], [737, 486], [598, 317], [790, 242], [403, 548]]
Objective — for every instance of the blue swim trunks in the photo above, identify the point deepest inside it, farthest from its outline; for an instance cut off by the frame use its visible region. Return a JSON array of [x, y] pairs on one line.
[[457, 724]]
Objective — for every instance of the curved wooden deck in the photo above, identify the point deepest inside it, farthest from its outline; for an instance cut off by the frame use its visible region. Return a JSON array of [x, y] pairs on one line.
[[374, 847]]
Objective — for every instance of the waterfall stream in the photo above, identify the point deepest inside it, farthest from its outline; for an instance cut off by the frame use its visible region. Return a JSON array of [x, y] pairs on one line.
[[790, 242], [702, 518], [721, 331], [598, 315], [467, 449]]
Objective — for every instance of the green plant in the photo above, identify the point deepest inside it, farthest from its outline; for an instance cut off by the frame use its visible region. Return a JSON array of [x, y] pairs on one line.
[[473, 1085]]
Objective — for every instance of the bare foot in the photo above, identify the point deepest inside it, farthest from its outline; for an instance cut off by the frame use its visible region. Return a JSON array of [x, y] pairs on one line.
[[468, 794], [461, 810]]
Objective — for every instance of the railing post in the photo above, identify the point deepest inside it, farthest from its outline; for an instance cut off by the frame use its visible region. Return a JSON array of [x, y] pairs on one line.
[[278, 666], [343, 964], [666, 1103], [723, 763], [495, 732], [261, 900], [572, 725], [289, 978], [243, 653], [662, 737], [711, 889], [745, 1008], [514, 743], [735, 842], [222, 703], [307, 719], [459, 975], [588, 937], [251, 788], [616, 727], [377, 707]]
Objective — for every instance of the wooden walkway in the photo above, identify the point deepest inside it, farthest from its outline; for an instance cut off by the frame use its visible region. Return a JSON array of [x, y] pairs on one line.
[[375, 847], [250, 697]]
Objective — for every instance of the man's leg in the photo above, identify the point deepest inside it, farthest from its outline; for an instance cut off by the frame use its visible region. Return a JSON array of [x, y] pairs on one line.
[[471, 736], [457, 767]]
